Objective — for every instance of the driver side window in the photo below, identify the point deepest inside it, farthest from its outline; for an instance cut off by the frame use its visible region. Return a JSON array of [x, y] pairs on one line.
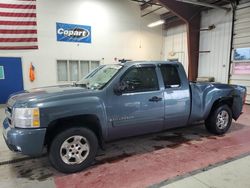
[[140, 79]]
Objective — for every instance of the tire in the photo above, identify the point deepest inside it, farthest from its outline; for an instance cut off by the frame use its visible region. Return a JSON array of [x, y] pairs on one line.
[[219, 120], [73, 150]]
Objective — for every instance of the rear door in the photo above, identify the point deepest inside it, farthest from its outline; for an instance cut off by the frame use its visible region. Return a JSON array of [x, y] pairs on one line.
[[176, 95], [11, 77]]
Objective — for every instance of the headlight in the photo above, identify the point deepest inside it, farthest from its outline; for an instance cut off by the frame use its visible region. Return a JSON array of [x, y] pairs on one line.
[[26, 117]]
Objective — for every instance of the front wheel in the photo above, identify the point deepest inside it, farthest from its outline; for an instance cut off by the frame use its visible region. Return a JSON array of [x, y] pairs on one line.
[[73, 150], [219, 121]]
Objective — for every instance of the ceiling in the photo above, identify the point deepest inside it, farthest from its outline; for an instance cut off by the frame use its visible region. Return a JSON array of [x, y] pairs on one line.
[[153, 7]]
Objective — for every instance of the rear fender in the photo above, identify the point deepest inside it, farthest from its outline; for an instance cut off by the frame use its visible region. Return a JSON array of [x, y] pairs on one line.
[[234, 102]]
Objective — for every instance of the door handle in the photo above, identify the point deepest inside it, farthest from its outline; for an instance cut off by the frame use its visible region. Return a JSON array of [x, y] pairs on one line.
[[155, 99]]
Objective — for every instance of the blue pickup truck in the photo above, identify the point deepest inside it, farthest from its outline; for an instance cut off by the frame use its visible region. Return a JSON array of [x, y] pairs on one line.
[[112, 102]]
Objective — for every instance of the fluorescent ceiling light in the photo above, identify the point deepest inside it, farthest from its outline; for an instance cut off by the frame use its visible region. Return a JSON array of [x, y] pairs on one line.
[[154, 24]]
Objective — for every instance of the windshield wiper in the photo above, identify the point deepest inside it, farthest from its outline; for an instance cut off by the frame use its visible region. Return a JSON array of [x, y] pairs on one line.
[[79, 85]]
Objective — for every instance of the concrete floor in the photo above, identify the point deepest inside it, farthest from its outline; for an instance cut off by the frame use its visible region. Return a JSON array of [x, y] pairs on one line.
[[230, 175], [186, 157]]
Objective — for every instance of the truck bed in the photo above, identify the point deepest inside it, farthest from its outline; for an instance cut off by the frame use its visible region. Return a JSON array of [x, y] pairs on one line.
[[205, 94]]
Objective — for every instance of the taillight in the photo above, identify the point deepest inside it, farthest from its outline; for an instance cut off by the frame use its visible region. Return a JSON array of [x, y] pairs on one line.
[[244, 98]]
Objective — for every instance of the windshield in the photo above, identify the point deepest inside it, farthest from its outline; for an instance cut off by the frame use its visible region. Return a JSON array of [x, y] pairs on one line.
[[98, 78]]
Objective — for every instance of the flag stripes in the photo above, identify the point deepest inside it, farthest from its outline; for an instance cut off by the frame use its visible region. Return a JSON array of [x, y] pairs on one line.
[[15, 6], [18, 47], [18, 25], [20, 31], [18, 40], [11, 14]]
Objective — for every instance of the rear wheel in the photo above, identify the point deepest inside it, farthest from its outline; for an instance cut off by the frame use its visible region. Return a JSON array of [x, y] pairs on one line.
[[219, 121], [73, 150]]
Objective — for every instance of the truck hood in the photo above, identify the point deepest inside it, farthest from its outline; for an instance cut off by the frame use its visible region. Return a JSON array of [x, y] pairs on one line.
[[43, 94]]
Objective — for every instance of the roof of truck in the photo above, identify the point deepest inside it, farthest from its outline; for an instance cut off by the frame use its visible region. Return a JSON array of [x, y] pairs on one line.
[[129, 63]]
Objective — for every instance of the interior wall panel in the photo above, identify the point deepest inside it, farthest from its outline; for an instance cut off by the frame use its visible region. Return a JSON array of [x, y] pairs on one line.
[[215, 45], [176, 45]]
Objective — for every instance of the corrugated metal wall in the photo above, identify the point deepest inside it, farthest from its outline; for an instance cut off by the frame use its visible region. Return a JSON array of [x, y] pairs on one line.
[[241, 39], [176, 45], [242, 25], [215, 44]]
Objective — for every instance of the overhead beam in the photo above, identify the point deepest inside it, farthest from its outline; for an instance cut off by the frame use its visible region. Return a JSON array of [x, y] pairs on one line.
[[182, 10], [149, 4], [167, 15], [172, 23], [195, 2], [171, 20], [151, 12], [191, 16]]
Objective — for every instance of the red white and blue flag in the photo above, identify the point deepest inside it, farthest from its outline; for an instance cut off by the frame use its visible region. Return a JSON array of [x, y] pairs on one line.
[[18, 26]]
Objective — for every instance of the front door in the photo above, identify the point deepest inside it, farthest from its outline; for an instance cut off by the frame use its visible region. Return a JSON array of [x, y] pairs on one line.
[[11, 77], [140, 108]]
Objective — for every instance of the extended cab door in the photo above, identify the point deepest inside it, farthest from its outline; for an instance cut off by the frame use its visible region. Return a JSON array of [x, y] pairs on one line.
[[176, 95], [140, 108]]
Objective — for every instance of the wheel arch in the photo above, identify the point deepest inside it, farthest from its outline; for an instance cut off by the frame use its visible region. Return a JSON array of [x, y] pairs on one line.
[[89, 121], [221, 101]]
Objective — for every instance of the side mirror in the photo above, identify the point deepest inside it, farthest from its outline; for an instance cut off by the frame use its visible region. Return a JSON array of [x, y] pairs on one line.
[[120, 87]]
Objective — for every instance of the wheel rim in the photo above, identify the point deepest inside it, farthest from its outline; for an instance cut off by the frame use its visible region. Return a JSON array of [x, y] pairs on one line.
[[74, 150], [222, 119]]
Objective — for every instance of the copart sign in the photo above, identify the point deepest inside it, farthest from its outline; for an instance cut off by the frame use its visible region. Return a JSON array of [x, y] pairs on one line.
[[73, 33]]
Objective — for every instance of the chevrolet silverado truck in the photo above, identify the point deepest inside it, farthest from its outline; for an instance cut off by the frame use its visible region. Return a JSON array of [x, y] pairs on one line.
[[112, 102]]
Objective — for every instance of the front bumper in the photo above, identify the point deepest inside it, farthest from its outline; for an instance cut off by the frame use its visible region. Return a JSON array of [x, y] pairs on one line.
[[26, 141]]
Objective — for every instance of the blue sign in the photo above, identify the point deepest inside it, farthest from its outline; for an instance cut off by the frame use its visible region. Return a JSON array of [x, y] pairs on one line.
[[73, 33]]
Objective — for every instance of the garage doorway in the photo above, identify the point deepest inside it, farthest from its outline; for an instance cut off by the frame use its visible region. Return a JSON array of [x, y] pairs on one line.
[[11, 77]]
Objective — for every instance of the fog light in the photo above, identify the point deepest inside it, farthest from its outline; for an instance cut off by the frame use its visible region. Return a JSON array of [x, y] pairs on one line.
[[18, 148]]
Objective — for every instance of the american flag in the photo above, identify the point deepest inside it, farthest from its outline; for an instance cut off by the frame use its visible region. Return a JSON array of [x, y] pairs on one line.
[[18, 25]]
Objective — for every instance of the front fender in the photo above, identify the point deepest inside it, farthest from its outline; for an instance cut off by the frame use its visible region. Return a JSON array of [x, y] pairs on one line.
[[91, 105]]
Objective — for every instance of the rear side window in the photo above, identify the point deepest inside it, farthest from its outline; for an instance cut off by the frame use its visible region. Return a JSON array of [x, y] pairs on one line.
[[170, 76]]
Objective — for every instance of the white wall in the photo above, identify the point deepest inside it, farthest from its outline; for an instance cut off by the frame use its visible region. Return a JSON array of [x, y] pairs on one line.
[[117, 31], [176, 45], [216, 62], [217, 41]]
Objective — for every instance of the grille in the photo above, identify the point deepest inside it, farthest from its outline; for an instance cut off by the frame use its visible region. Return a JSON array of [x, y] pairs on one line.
[[8, 112], [9, 109]]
